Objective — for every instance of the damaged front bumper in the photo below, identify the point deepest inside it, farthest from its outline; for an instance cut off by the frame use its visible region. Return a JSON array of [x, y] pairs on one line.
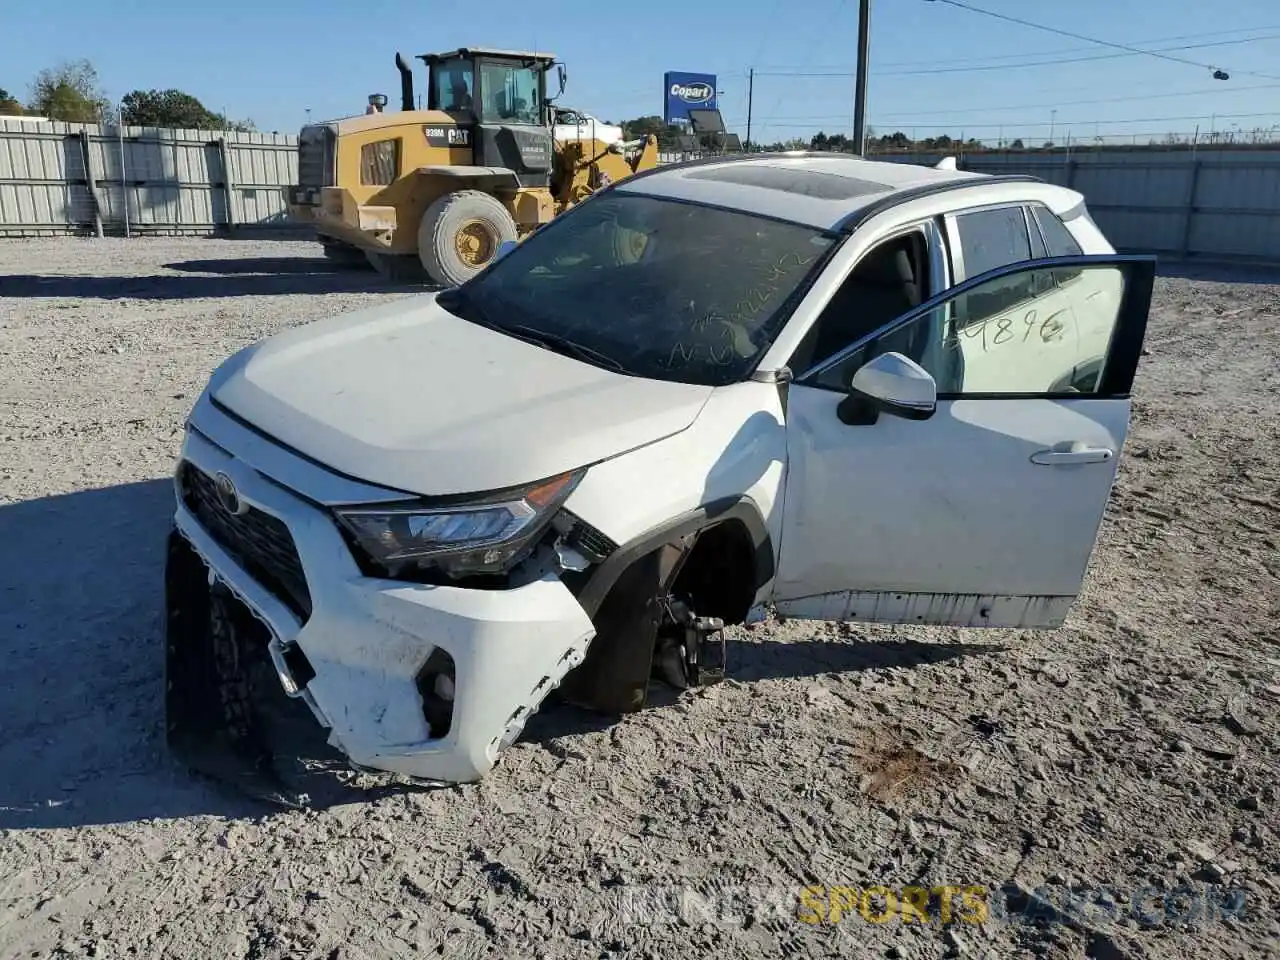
[[430, 682]]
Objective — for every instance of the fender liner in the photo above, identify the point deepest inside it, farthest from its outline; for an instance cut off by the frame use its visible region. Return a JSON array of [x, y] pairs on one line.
[[741, 508], [622, 597]]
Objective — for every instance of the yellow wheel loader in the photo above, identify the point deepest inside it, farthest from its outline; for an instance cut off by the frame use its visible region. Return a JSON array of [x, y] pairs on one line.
[[431, 194]]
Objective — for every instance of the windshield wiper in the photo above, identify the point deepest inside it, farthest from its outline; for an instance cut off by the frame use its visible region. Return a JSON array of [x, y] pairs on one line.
[[563, 346], [467, 306]]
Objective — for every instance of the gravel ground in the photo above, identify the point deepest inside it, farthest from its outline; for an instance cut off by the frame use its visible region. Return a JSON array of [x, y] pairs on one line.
[[1129, 757]]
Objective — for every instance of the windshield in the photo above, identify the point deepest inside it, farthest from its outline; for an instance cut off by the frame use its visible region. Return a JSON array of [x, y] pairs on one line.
[[510, 94], [653, 288]]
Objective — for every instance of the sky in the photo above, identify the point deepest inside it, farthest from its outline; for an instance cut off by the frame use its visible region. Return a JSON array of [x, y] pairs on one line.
[[935, 67]]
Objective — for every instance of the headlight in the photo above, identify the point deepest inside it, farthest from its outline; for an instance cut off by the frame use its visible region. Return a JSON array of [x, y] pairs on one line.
[[482, 536]]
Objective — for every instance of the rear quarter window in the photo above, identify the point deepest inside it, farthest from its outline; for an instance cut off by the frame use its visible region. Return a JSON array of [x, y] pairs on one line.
[[1057, 238]]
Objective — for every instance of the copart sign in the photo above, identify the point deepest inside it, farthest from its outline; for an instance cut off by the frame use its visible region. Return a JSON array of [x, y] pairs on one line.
[[683, 92]]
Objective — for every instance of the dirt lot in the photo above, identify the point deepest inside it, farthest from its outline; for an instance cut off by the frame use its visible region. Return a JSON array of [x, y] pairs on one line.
[[1130, 757]]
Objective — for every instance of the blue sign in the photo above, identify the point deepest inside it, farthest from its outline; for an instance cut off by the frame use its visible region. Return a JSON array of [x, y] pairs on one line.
[[683, 92]]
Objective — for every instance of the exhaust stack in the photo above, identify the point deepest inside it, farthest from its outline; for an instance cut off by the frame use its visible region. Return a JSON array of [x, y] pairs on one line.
[[406, 83]]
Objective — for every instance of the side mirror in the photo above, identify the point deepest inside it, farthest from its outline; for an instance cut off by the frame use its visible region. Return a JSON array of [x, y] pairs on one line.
[[560, 72], [505, 247], [892, 384]]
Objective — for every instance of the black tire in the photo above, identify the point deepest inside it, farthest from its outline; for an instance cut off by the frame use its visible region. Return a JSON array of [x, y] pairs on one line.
[[445, 220]]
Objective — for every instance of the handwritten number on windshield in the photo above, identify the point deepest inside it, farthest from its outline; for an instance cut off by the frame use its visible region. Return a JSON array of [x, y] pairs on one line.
[[685, 354], [760, 295], [721, 358], [743, 314]]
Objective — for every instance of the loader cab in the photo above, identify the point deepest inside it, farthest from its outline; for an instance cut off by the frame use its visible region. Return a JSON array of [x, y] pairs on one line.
[[501, 97]]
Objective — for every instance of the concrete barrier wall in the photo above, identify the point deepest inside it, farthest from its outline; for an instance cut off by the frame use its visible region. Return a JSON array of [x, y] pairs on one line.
[[1208, 203], [60, 178], [1211, 203], [65, 178]]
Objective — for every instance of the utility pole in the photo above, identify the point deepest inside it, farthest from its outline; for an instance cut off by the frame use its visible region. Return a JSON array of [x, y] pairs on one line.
[[860, 91], [751, 86]]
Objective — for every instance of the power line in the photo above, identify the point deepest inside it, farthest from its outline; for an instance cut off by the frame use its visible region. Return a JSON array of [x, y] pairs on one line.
[[959, 4], [764, 37], [1056, 103], [1038, 53], [943, 124], [811, 74], [826, 35]]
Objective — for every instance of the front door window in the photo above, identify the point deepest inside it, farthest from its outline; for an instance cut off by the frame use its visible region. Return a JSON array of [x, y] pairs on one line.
[[511, 94], [1052, 340]]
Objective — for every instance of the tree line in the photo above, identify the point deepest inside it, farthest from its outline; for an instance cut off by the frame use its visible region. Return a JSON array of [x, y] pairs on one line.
[[896, 142], [72, 92]]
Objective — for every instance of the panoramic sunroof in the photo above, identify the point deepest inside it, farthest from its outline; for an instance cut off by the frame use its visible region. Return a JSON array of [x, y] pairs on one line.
[[809, 183]]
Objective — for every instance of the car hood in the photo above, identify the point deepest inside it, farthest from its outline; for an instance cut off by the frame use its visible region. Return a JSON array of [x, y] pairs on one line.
[[411, 397]]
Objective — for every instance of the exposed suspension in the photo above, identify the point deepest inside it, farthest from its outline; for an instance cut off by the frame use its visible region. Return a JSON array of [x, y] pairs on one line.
[[691, 650]]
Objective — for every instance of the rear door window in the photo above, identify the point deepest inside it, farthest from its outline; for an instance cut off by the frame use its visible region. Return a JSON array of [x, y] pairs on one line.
[[989, 239]]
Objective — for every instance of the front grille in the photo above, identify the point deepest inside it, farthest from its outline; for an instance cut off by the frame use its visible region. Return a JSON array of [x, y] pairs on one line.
[[255, 539], [316, 149]]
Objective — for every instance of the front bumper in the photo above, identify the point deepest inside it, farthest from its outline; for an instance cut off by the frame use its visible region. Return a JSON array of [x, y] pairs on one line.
[[367, 641]]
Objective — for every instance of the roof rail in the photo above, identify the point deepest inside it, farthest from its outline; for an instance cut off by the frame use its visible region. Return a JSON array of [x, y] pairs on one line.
[[860, 216]]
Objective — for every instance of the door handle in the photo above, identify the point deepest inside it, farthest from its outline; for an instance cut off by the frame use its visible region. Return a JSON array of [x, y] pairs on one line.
[[1062, 454]]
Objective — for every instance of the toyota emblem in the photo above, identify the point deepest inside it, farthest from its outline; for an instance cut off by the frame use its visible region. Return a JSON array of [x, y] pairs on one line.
[[228, 496]]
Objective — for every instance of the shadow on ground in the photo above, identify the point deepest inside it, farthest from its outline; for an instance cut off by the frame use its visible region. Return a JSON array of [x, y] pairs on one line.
[[81, 674], [81, 666], [763, 659], [235, 277], [240, 266]]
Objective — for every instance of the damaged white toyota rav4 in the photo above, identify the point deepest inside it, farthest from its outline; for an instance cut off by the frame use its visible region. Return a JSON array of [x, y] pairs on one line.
[[847, 389]]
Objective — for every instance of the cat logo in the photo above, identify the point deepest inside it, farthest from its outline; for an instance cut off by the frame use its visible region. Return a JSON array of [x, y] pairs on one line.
[[448, 136]]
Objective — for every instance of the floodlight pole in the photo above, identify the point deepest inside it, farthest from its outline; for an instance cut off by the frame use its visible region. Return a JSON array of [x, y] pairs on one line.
[[751, 87], [124, 180], [860, 92]]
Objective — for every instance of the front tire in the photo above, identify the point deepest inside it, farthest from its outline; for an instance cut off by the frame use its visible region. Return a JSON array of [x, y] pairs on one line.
[[460, 233]]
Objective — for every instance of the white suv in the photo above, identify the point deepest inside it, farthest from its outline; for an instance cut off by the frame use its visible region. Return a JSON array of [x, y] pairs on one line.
[[843, 388]]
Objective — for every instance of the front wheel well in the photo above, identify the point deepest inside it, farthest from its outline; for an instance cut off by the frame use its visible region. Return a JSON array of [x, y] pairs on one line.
[[715, 569], [719, 576]]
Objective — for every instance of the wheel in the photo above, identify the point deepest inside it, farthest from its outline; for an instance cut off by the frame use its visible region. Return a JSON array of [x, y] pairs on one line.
[[398, 268], [460, 234]]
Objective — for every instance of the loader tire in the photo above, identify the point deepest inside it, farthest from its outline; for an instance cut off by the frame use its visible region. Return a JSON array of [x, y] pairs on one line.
[[460, 233]]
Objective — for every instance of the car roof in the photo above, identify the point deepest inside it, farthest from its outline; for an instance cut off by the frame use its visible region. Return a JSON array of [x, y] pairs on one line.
[[823, 190]]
